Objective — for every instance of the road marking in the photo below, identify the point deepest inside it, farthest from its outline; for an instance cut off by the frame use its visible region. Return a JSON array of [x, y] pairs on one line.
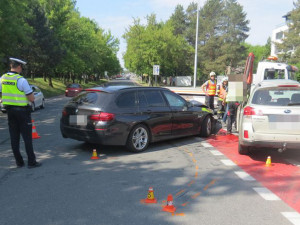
[[180, 192], [206, 145], [216, 152], [293, 217], [266, 194], [244, 176], [191, 183], [228, 162], [210, 184], [293, 162], [195, 195]]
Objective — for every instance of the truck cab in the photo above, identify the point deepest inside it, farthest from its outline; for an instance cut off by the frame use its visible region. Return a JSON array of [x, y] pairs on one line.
[[274, 71]]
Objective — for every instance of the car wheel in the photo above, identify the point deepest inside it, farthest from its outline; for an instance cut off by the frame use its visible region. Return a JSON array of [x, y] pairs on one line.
[[243, 150], [32, 107], [43, 104], [206, 128], [138, 139]]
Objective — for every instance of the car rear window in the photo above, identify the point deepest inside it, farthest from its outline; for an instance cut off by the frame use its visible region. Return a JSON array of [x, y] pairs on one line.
[[90, 98], [277, 96], [74, 86]]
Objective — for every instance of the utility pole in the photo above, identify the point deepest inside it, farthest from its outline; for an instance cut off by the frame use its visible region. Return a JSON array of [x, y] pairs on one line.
[[196, 46]]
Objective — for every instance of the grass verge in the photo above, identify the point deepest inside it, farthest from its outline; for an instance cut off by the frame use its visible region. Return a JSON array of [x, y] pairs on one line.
[[58, 86]]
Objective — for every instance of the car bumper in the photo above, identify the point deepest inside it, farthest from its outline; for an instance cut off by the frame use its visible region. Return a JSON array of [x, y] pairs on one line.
[[103, 136], [272, 141]]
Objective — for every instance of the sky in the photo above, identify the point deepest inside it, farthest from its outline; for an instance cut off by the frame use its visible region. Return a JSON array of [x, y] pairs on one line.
[[117, 15]]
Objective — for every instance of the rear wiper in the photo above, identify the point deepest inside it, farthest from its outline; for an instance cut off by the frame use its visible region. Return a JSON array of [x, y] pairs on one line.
[[296, 103]]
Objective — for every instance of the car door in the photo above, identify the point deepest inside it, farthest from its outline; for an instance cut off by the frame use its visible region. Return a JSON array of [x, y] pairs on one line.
[[185, 120], [155, 112]]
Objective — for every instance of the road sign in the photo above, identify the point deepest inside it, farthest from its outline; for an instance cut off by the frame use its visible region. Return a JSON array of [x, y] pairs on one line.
[[156, 70]]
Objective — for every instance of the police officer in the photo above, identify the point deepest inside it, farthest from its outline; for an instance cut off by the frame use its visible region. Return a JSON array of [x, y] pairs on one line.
[[16, 95], [209, 88]]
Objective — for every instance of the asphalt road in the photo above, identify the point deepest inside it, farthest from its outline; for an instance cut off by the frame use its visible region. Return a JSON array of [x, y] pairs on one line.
[[70, 188]]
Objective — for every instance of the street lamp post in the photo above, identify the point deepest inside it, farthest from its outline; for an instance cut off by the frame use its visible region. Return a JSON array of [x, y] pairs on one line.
[[196, 46]]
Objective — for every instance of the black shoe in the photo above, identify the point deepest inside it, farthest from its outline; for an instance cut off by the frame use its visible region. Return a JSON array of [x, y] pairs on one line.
[[20, 165], [36, 164]]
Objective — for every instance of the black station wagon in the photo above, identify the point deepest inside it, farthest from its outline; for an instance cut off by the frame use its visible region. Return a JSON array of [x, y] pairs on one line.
[[133, 117]]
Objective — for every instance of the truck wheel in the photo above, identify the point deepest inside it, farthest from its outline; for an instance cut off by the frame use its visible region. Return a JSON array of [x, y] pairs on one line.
[[206, 128], [138, 139], [243, 150]]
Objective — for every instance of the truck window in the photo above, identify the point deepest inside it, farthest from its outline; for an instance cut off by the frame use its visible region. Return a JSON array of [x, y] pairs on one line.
[[273, 74]]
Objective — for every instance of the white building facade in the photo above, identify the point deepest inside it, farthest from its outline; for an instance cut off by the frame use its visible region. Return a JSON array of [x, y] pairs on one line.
[[278, 35]]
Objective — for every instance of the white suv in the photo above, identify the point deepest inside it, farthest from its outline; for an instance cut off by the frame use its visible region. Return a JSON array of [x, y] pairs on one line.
[[271, 118]]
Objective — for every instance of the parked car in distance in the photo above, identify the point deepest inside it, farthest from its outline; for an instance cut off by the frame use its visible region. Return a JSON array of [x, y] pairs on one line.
[[39, 99], [133, 116], [72, 90], [271, 117]]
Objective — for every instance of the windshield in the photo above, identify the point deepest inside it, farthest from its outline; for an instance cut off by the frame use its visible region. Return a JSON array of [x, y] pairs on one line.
[[271, 74], [277, 96]]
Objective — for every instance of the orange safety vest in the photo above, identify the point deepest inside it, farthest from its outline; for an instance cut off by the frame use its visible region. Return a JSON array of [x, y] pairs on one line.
[[222, 93], [211, 88]]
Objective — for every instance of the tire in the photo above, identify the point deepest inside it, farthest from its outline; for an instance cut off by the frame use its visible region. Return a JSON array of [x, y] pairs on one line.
[[138, 139], [206, 128], [32, 107], [43, 104], [243, 150]]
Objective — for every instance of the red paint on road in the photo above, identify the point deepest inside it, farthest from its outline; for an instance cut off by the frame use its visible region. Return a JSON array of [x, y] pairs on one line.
[[282, 178]]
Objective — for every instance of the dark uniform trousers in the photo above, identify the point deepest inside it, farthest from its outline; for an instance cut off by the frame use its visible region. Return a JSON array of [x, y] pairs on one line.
[[209, 101], [19, 122], [231, 115]]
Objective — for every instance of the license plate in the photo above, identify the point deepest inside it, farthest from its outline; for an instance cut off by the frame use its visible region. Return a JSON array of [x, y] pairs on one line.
[[78, 120]]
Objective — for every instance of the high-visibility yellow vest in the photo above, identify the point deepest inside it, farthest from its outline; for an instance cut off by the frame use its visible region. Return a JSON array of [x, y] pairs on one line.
[[211, 88], [11, 95]]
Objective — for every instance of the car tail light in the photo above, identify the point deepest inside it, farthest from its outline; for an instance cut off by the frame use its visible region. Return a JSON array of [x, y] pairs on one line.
[[250, 111], [246, 134], [288, 85], [103, 116], [64, 113]]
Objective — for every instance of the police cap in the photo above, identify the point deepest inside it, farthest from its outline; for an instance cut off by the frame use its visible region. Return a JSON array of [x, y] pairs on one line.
[[18, 61]]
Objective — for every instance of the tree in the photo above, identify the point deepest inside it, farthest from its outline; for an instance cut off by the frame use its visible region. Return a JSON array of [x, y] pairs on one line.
[[179, 20], [292, 39], [156, 44]]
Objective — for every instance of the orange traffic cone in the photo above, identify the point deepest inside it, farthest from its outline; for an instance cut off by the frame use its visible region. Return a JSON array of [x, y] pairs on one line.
[[95, 155], [169, 207], [268, 162], [150, 197], [34, 133]]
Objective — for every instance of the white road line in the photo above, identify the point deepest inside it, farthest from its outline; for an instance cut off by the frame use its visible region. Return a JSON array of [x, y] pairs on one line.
[[266, 194], [215, 152], [206, 145], [293, 217], [244, 176], [228, 162], [293, 162]]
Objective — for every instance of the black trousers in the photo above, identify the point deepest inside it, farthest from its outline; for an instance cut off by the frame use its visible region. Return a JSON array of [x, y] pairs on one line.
[[19, 123], [209, 101], [231, 115]]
